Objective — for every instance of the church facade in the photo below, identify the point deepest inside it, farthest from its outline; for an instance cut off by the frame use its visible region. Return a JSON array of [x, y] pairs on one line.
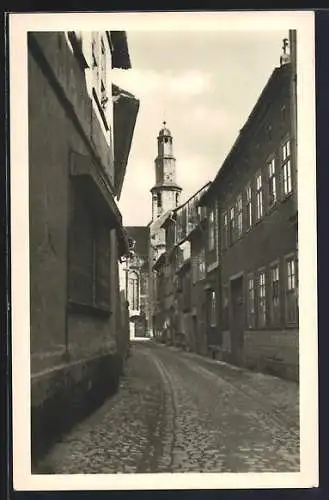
[[134, 280]]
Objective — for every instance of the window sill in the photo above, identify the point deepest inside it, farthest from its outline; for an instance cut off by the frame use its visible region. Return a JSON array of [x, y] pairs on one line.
[[286, 197], [258, 221], [88, 309], [272, 208], [272, 328], [291, 326]]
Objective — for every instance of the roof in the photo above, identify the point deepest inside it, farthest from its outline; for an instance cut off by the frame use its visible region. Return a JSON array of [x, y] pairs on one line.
[[174, 211], [156, 224], [140, 234], [262, 104], [169, 186], [125, 111], [160, 261], [164, 131]]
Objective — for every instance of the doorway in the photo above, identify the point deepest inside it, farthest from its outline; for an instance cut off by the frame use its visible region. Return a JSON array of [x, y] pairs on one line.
[[237, 320]]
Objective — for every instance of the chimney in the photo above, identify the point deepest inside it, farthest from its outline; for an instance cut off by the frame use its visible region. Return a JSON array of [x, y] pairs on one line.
[[285, 56]]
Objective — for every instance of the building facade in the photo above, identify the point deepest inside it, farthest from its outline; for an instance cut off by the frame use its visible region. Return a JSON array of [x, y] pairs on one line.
[[252, 250], [179, 274], [134, 280], [80, 130]]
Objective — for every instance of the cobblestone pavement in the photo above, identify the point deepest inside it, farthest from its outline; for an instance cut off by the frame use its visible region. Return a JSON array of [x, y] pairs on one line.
[[179, 412]]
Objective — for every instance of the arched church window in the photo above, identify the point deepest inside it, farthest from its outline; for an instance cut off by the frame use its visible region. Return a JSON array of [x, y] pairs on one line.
[[159, 200], [133, 291]]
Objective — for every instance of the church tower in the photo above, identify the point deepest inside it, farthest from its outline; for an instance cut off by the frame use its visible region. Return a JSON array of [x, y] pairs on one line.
[[165, 192]]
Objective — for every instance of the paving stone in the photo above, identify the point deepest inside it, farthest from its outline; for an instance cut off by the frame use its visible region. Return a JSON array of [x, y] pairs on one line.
[[177, 411]]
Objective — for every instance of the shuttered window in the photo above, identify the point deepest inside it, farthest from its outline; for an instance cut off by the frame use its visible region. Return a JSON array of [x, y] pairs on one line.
[[89, 256]]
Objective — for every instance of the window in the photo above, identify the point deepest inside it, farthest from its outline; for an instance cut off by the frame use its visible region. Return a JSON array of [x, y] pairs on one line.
[[248, 207], [275, 296], [259, 197], [239, 215], [89, 256], [211, 230], [213, 321], [271, 183], [291, 291], [261, 299], [177, 199], [133, 291], [232, 225], [225, 230], [103, 67], [251, 302], [202, 264], [95, 59], [159, 200], [286, 168]]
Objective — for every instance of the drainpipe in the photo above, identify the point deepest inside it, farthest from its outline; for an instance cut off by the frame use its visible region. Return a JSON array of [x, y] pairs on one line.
[[293, 59], [66, 355]]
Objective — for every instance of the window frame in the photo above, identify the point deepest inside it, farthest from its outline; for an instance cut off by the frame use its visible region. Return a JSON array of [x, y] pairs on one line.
[[259, 197], [239, 216], [225, 230], [261, 299], [249, 207], [211, 230], [292, 257], [274, 320], [103, 67], [251, 301], [159, 200], [231, 224], [95, 60], [213, 309], [133, 290], [272, 181], [286, 168], [95, 232]]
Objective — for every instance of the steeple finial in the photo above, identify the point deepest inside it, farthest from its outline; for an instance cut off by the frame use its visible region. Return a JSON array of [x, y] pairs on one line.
[[285, 45], [285, 57]]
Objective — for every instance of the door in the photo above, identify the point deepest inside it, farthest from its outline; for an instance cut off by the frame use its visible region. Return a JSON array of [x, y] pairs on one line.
[[237, 320], [195, 333]]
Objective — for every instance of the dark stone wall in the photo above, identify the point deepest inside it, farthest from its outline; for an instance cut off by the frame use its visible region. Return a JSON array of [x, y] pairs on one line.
[[67, 394]]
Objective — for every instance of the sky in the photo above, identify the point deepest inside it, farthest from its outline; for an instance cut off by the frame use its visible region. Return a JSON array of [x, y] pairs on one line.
[[204, 85]]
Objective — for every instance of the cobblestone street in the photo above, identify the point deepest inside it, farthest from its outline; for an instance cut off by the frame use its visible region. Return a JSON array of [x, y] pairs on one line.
[[179, 412]]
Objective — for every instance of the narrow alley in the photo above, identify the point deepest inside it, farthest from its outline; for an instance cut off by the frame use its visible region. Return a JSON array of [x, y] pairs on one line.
[[179, 412]]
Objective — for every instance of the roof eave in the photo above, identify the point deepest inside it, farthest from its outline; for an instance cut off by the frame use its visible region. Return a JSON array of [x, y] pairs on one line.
[[120, 54], [269, 87]]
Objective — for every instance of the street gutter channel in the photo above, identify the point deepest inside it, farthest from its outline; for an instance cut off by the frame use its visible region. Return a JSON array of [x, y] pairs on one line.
[[237, 373]]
